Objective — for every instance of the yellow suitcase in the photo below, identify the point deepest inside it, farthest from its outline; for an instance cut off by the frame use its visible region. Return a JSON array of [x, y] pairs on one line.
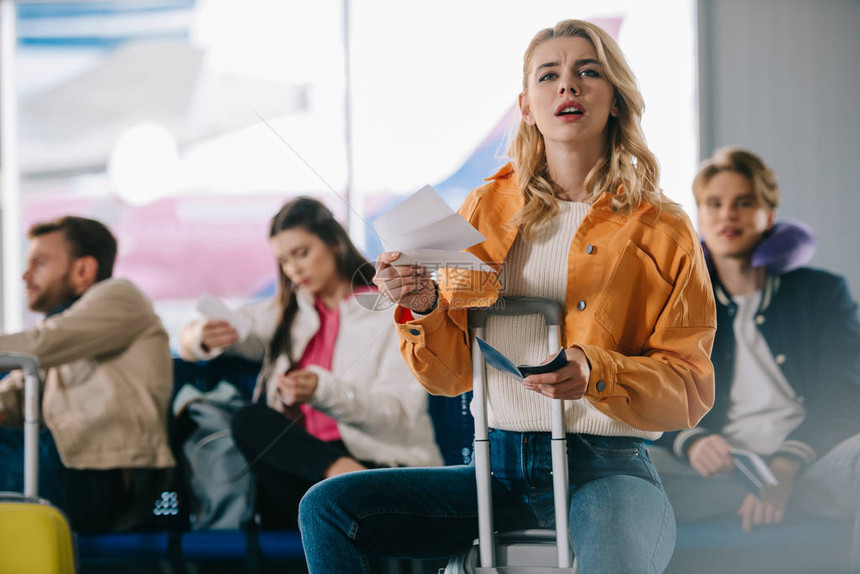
[[35, 537]]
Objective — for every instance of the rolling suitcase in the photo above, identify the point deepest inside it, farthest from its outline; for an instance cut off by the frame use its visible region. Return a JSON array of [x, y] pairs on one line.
[[534, 551], [35, 537]]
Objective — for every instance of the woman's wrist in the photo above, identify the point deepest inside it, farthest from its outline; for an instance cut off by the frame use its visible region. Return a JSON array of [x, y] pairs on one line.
[[433, 303]]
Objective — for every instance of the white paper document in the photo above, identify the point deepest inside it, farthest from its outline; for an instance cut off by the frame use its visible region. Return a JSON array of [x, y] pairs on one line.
[[214, 308], [429, 233]]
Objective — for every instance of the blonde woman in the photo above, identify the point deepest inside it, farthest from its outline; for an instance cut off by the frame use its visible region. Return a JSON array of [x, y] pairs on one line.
[[577, 217]]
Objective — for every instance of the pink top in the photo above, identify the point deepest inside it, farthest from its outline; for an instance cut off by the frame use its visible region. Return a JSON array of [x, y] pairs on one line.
[[319, 352]]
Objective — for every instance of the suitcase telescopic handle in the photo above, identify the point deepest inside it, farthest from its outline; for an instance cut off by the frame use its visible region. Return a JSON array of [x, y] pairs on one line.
[[553, 313], [30, 365], [551, 310]]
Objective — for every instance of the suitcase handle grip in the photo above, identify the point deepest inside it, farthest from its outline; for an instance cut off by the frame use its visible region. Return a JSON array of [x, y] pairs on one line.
[[551, 310], [28, 363]]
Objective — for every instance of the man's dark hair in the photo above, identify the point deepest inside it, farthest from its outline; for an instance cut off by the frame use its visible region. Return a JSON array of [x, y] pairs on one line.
[[87, 237]]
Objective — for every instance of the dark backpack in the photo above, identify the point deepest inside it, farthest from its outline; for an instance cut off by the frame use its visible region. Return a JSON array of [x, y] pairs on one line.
[[222, 488]]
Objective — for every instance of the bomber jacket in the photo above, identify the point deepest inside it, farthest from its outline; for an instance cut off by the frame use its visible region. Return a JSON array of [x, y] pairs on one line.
[[381, 412], [108, 383], [809, 321], [639, 304]]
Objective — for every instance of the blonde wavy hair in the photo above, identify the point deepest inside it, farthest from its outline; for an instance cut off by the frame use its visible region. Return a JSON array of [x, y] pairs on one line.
[[627, 166]]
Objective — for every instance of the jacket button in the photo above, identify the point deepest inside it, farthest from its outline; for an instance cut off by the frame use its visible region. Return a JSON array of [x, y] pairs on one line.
[[589, 248], [600, 386], [581, 305], [759, 319], [780, 359], [415, 332], [731, 311]]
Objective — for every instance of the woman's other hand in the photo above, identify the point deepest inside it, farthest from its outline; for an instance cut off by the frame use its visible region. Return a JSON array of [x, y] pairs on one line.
[[217, 334], [569, 382], [297, 387], [408, 286]]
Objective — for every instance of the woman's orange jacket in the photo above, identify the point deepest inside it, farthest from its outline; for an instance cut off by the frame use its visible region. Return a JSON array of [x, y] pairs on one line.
[[639, 303]]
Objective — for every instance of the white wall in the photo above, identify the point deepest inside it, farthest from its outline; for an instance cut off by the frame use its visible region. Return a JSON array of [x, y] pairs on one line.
[[782, 78]]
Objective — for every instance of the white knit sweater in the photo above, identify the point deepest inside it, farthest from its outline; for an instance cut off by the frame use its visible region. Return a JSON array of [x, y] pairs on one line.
[[538, 268]]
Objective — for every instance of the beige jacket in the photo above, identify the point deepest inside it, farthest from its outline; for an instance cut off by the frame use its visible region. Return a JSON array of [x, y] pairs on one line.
[[108, 382]]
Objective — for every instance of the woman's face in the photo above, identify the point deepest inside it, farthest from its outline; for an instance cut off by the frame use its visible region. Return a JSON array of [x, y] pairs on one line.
[[568, 98], [305, 259], [731, 219]]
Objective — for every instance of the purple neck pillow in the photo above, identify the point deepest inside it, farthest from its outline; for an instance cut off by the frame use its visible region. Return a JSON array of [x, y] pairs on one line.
[[788, 245]]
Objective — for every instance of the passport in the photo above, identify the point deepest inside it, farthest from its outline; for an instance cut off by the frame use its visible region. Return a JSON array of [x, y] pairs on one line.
[[499, 361], [752, 470]]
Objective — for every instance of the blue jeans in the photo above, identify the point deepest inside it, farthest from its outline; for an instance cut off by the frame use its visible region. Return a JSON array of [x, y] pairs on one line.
[[620, 519]]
